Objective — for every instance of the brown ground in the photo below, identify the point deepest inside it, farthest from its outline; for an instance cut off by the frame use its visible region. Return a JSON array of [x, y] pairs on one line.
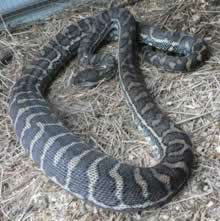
[[101, 115]]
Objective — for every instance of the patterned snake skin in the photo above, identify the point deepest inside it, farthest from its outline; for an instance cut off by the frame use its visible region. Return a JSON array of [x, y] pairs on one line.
[[82, 169]]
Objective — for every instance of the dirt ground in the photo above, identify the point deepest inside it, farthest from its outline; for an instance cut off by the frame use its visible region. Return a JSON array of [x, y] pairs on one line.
[[102, 116]]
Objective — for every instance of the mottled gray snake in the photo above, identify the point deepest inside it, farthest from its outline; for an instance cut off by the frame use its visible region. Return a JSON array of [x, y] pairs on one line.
[[80, 168]]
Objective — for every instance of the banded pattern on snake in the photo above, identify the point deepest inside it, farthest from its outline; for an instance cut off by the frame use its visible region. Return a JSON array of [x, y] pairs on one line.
[[82, 169]]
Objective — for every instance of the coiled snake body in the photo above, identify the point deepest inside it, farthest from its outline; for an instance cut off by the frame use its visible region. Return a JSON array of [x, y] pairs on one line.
[[80, 168]]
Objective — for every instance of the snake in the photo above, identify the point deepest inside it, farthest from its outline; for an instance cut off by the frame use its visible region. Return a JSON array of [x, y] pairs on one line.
[[80, 168]]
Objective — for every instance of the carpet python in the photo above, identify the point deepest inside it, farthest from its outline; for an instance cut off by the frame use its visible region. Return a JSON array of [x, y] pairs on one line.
[[80, 168]]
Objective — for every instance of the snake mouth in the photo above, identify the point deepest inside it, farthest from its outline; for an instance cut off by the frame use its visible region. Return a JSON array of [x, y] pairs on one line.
[[84, 84]]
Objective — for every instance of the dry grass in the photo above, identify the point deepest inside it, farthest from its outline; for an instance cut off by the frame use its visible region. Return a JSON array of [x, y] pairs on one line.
[[100, 115]]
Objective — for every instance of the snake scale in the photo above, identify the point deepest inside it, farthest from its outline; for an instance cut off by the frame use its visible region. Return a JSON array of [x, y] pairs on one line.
[[80, 168]]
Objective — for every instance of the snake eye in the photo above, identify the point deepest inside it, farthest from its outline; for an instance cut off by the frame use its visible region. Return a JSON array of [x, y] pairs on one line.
[[76, 80]]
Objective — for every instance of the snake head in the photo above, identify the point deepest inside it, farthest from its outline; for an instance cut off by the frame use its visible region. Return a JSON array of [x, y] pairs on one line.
[[86, 78], [91, 77]]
